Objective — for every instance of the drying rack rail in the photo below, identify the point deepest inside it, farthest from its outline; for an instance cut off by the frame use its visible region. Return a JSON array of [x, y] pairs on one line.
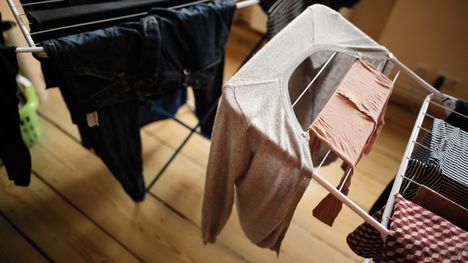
[[380, 226], [412, 143], [33, 48]]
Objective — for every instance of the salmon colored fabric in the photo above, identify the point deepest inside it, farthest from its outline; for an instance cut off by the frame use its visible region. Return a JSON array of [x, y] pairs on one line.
[[350, 123]]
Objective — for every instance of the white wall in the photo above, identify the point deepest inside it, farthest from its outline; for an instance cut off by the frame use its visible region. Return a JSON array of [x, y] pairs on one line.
[[433, 33]]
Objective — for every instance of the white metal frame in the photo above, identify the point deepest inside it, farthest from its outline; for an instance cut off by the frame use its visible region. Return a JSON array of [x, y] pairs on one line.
[[409, 150], [404, 162], [32, 46], [380, 226]]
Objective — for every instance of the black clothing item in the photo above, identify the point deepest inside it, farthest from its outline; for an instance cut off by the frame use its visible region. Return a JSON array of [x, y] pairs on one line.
[[83, 13], [111, 70], [333, 4], [383, 197], [43, 5], [13, 152], [162, 108], [116, 141], [206, 97], [457, 120], [78, 11], [3, 26], [282, 12]]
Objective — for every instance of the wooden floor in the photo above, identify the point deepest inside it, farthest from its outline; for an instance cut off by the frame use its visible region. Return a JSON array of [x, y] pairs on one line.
[[75, 211]]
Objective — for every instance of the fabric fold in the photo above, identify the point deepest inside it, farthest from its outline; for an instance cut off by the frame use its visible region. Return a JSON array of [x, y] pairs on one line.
[[415, 235], [260, 156], [349, 125]]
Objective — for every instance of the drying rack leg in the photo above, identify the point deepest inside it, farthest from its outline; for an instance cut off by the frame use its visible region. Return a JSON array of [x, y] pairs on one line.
[[182, 145], [204, 119]]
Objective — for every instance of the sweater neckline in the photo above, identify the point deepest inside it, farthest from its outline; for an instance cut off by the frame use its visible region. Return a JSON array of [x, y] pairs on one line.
[[284, 84]]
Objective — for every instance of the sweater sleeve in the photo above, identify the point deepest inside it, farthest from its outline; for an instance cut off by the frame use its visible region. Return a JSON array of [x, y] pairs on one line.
[[229, 159]]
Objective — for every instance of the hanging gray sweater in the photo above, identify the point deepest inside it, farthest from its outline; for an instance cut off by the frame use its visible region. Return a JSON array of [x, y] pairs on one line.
[[260, 149]]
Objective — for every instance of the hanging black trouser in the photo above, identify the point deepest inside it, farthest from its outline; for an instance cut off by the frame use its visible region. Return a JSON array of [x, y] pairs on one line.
[[13, 152]]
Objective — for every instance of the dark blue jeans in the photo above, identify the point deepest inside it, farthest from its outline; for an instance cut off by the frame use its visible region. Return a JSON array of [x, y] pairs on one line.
[[110, 70]]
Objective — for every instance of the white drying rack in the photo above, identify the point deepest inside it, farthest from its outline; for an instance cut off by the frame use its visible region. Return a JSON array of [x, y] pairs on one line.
[[34, 49], [380, 226], [448, 101], [418, 126], [412, 141], [404, 162], [40, 52]]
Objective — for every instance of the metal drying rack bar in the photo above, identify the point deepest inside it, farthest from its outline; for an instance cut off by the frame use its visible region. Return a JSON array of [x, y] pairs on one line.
[[33, 48], [381, 227], [409, 150]]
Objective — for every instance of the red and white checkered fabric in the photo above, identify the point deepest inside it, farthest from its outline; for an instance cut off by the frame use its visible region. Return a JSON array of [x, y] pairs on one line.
[[418, 235]]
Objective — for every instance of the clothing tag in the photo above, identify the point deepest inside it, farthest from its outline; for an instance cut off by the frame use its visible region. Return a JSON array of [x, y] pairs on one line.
[[92, 119]]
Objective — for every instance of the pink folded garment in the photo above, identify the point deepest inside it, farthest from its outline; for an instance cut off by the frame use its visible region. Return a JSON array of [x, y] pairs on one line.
[[350, 123]]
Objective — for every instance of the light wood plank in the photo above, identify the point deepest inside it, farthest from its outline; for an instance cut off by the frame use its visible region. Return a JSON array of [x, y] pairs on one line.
[[149, 229], [157, 154], [61, 231], [176, 179], [14, 248], [182, 188]]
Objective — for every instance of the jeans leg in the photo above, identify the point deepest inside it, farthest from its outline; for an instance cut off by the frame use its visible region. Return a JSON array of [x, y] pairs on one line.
[[117, 142], [205, 97]]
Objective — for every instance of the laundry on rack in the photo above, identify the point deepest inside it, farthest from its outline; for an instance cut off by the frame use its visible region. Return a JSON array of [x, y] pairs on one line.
[[30, 5], [77, 12], [107, 72], [350, 123], [415, 234], [452, 153], [446, 146], [14, 154], [434, 227], [259, 150], [162, 108], [458, 120], [365, 240], [425, 185], [281, 12], [431, 175], [442, 206], [71, 12]]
